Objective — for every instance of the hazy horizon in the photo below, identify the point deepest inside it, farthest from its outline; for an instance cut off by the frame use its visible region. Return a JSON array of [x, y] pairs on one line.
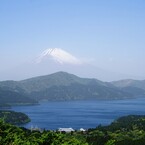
[[106, 34]]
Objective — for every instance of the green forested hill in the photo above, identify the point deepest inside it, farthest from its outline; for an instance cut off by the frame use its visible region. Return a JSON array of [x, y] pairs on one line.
[[48, 81], [14, 117], [65, 86], [80, 92], [9, 97]]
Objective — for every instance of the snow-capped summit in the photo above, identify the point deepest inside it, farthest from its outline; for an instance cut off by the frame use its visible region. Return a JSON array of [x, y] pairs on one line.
[[56, 59], [59, 56]]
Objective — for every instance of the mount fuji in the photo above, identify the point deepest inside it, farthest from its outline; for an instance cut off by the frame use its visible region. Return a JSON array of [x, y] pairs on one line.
[[58, 55], [54, 60]]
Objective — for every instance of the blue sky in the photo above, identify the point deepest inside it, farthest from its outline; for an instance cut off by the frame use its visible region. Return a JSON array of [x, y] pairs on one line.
[[109, 32]]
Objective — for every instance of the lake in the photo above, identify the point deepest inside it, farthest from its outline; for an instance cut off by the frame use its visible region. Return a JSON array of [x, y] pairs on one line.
[[80, 114]]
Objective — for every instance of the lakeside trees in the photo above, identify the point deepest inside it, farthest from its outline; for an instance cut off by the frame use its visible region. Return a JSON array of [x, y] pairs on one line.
[[14, 117]]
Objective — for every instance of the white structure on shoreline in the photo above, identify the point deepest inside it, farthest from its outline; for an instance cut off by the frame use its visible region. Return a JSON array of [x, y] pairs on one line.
[[83, 130], [66, 130]]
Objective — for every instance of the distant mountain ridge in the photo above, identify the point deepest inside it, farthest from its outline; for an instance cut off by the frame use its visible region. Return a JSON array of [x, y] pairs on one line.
[[130, 83], [136, 87], [65, 86], [10, 97]]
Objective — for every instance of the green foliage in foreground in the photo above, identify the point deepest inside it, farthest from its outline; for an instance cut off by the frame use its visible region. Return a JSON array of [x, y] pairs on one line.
[[12, 135], [128, 130]]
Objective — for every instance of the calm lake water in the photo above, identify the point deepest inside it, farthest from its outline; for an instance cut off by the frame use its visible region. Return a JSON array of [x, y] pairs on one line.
[[80, 114]]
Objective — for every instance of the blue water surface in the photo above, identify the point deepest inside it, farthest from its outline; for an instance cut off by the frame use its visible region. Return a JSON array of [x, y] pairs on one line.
[[80, 114]]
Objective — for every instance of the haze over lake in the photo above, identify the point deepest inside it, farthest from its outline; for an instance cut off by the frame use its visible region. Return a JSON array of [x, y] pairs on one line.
[[80, 114]]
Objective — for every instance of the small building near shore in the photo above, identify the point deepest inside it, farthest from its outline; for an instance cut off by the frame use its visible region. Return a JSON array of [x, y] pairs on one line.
[[67, 130], [83, 130]]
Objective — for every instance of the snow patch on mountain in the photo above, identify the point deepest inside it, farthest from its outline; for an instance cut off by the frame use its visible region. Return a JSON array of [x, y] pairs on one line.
[[58, 55]]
